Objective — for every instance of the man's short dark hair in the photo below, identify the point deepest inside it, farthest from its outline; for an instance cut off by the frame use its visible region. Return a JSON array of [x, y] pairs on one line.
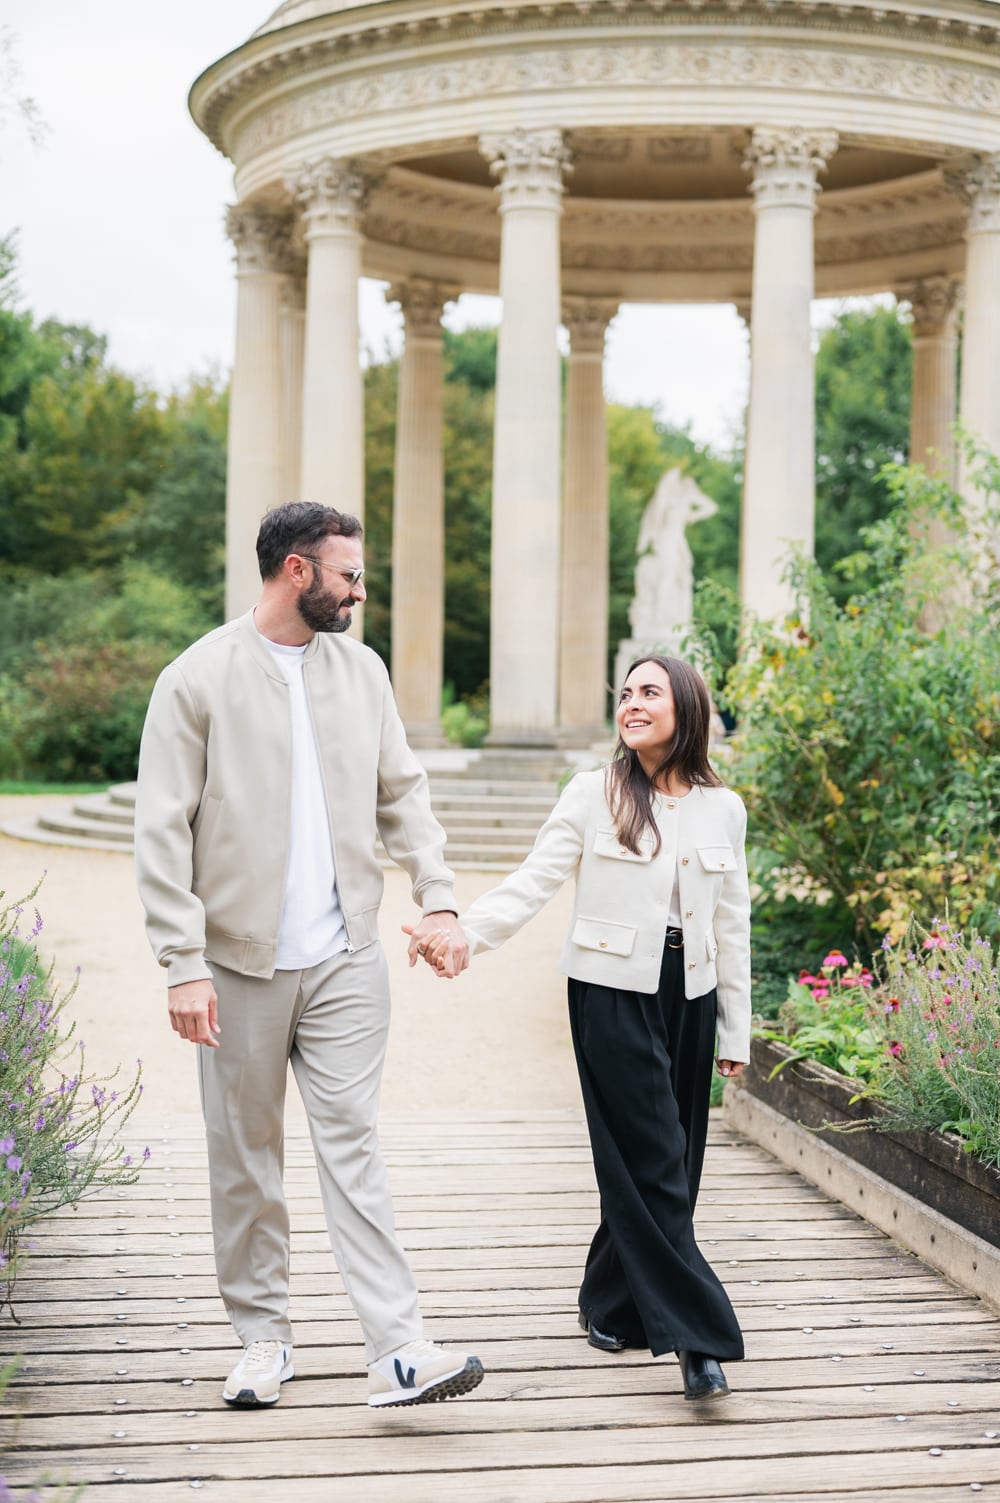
[[299, 527]]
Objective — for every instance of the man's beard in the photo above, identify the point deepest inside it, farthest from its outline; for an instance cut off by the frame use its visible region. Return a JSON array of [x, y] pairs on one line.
[[320, 610]]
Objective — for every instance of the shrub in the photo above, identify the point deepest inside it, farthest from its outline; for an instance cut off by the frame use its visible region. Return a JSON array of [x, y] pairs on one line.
[[58, 1125], [868, 747], [939, 1022]]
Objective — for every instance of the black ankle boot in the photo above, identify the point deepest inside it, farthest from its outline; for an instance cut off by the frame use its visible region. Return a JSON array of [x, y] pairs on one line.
[[603, 1341], [703, 1377]]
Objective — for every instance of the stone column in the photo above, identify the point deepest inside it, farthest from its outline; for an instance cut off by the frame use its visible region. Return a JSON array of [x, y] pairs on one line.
[[332, 195], [978, 181], [293, 337], [418, 513], [253, 477], [524, 623], [934, 303], [583, 621], [779, 489]]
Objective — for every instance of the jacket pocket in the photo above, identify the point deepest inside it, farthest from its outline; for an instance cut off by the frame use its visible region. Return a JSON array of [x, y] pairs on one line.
[[717, 858], [711, 946], [606, 843], [598, 934]]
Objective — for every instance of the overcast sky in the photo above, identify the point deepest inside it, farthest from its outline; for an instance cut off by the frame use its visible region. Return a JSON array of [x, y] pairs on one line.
[[120, 212]]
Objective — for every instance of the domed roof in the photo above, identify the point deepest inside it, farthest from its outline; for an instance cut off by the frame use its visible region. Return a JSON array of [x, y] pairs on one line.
[[305, 10]]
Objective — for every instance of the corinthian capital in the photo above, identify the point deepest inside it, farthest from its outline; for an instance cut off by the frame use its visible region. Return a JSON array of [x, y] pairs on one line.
[[422, 301], [587, 319], [530, 165], [262, 238], [785, 165], [976, 179], [932, 300], [332, 194]]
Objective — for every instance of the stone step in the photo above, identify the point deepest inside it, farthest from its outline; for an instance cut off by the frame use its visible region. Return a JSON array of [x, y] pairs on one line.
[[68, 822], [102, 809]]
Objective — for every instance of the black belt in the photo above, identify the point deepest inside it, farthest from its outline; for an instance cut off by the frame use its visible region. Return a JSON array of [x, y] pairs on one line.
[[675, 939]]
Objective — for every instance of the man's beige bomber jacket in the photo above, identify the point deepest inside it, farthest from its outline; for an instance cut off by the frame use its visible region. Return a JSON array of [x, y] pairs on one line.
[[212, 810], [620, 909]]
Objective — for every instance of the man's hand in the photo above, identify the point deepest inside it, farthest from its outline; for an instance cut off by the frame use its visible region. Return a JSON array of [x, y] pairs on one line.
[[440, 940], [193, 1008], [732, 1068]]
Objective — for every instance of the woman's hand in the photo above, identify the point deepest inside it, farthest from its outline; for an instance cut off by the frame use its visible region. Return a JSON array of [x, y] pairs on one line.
[[730, 1067]]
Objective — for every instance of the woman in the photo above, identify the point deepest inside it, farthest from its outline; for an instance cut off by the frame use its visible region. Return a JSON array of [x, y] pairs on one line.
[[658, 959]]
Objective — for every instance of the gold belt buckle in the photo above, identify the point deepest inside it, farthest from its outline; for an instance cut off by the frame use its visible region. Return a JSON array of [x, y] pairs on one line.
[[680, 943]]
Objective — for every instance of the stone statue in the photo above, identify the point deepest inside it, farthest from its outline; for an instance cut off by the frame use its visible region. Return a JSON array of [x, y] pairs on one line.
[[661, 609]]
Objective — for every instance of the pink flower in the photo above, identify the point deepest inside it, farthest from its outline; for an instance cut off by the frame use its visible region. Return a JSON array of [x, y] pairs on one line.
[[834, 959], [934, 942], [892, 1005], [895, 1048]]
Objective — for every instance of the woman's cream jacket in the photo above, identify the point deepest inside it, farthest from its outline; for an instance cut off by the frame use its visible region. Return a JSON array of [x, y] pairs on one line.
[[619, 921]]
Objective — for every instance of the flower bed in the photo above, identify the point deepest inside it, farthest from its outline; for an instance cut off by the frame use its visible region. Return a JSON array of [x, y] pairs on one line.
[[931, 1166]]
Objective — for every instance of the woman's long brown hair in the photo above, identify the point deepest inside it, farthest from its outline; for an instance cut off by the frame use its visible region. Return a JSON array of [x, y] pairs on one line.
[[630, 791]]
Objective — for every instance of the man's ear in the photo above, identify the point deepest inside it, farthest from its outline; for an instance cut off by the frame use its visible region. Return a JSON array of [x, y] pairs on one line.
[[298, 571]]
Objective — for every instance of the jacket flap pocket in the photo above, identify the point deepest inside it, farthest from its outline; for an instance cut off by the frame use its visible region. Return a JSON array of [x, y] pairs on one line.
[[711, 946], [717, 858], [598, 934], [606, 843]]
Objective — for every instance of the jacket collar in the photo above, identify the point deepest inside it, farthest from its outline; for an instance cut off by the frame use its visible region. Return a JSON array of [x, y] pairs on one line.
[[253, 640]]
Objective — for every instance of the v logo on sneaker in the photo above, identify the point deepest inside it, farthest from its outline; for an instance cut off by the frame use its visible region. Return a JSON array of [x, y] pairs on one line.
[[410, 1380]]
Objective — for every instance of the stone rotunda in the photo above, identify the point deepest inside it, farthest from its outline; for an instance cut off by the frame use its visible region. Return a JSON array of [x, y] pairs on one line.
[[572, 155]]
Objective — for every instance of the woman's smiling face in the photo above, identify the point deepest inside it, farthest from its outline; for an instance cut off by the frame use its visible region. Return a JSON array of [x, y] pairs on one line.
[[645, 716]]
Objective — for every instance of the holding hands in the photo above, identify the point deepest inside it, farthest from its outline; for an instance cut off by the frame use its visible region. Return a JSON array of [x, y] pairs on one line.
[[439, 939]]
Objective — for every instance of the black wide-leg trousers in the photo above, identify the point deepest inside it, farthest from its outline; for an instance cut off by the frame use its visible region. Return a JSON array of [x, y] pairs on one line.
[[645, 1063]]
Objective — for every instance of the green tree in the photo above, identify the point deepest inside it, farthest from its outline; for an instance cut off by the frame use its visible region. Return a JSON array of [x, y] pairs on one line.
[[178, 526], [863, 378]]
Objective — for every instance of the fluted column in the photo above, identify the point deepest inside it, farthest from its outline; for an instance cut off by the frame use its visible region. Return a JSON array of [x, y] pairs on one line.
[[332, 195], [583, 618], [253, 475], [418, 513], [293, 337], [978, 181], [524, 620], [933, 302], [779, 489]]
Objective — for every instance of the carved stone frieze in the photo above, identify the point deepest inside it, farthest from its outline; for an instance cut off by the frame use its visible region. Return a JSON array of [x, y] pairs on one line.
[[530, 165], [262, 238], [587, 319], [423, 302], [332, 194], [933, 301], [853, 74], [786, 164], [976, 180]]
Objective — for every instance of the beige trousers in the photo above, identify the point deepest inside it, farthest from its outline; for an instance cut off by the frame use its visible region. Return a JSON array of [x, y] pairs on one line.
[[331, 1022]]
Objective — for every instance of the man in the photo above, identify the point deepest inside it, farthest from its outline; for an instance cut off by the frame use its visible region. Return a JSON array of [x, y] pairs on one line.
[[272, 754]]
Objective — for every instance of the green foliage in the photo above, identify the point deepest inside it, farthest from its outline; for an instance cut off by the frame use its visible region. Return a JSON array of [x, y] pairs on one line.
[[869, 748], [179, 526], [59, 1126], [828, 1017], [82, 656], [863, 379], [465, 722], [939, 1024], [471, 358]]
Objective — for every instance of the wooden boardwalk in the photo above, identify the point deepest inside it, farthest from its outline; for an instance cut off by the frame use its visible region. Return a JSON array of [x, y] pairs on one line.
[[868, 1375]]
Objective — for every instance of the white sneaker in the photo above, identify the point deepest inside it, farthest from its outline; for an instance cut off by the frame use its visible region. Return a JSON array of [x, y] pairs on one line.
[[420, 1373], [259, 1374]]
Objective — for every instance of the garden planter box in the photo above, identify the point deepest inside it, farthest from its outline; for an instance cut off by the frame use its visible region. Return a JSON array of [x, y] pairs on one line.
[[929, 1166]]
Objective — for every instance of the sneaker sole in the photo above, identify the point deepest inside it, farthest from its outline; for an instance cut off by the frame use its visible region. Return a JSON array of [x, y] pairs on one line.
[[248, 1398], [451, 1386]]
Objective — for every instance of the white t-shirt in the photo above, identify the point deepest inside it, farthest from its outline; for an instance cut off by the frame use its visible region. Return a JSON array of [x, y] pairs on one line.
[[312, 923]]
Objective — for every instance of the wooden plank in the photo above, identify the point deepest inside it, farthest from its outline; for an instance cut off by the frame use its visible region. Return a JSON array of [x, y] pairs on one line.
[[413, 1443], [843, 1331]]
